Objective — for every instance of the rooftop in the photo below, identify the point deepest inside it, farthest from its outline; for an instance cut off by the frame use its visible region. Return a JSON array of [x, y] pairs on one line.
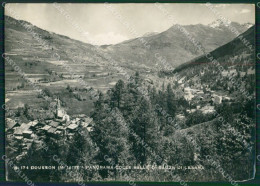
[[72, 126], [27, 132], [46, 127], [10, 123], [54, 124], [52, 130]]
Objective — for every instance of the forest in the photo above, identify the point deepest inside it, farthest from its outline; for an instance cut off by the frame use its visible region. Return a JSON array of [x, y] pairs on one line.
[[136, 129]]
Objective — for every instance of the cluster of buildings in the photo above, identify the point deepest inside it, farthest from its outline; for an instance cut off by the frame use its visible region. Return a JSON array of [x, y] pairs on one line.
[[204, 98], [62, 126], [231, 71], [207, 96]]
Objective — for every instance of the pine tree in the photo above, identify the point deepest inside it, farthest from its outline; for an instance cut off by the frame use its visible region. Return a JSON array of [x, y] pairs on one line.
[[116, 94], [171, 103]]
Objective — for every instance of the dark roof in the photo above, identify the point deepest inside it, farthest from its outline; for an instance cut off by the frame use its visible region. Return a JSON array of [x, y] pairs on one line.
[[54, 124], [52, 130]]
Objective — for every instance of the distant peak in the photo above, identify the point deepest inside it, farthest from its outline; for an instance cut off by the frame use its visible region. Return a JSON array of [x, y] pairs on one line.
[[224, 23], [218, 23], [150, 34], [248, 25]]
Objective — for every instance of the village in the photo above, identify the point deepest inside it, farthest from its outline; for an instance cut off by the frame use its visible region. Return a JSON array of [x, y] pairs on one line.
[[62, 126], [201, 97]]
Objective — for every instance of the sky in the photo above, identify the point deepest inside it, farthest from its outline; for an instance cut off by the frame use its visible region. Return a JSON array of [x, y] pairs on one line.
[[101, 23]]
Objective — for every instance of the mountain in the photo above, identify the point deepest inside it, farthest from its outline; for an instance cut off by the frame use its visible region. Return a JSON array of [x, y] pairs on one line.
[[172, 46], [171, 127], [248, 25], [25, 44], [218, 24], [234, 48], [39, 53], [233, 80], [24, 38], [148, 34]]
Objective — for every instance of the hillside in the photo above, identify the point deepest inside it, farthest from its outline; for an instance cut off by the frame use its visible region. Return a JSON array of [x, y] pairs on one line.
[[172, 45], [63, 55], [233, 48], [52, 61]]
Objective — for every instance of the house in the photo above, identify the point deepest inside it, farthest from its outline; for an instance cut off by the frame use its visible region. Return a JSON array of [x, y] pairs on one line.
[[45, 128], [54, 124], [242, 74], [52, 131], [58, 134], [200, 93], [72, 127], [188, 93], [18, 137], [180, 116], [226, 99], [233, 72], [180, 81], [11, 124], [224, 73], [188, 97], [35, 125], [18, 132], [60, 131], [32, 123], [25, 126], [84, 124], [250, 71], [191, 110], [60, 128], [90, 129], [58, 120], [76, 120], [207, 109], [27, 134], [217, 99], [88, 120]]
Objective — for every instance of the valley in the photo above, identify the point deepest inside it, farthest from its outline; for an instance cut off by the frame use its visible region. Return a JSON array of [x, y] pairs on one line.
[[169, 96]]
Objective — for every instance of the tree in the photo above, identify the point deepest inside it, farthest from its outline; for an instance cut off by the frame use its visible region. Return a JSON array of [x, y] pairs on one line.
[[111, 137], [117, 92], [171, 103]]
